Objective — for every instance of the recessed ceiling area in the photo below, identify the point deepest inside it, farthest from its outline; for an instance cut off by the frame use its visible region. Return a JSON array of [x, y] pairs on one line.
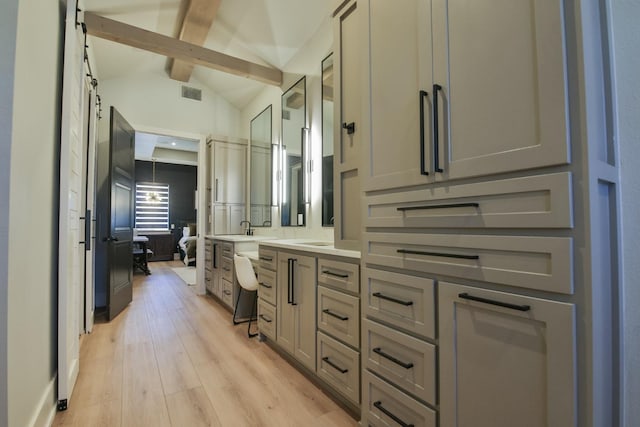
[[166, 149]]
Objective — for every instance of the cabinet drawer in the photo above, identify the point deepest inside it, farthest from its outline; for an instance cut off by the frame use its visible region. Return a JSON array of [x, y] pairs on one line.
[[339, 366], [267, 285], [381, 403], [267, 319], [542, 263], [406, 302], [542, 201], [268, 259], [208, 252], [227, 292], [227, 249], [227, 268], [407, 362], [339, 315], [340, 275], [208, 283]]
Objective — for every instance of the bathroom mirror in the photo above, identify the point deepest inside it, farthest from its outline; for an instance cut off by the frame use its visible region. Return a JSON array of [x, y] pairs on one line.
[[327, 141], [292, 203], [260, 183]]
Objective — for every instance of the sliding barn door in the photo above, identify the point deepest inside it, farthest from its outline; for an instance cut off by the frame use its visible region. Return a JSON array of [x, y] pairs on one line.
[[71, 227]]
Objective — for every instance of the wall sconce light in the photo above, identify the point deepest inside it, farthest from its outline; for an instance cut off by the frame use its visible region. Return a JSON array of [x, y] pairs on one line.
[[283, 174], [275, 174], [308, 165]]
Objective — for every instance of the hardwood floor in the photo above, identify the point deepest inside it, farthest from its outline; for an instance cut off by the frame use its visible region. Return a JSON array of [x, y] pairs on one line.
[[173, 358]]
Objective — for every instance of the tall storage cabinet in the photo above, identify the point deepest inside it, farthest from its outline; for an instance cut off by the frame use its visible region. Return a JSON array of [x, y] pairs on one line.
[[489, 187], [228, 186], [480, 89], [347, 136]]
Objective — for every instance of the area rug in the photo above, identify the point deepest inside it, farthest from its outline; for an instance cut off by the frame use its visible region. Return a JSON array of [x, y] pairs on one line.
[[187, 274]]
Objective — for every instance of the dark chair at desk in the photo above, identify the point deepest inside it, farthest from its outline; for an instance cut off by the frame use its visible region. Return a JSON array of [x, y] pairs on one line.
[[141, 253]]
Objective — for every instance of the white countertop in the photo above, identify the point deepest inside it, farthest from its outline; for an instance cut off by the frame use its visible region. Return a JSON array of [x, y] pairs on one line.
[[311, 245], [239, 238]]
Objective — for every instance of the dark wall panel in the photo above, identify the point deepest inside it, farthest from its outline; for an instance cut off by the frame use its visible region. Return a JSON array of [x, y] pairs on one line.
[[182, 180]]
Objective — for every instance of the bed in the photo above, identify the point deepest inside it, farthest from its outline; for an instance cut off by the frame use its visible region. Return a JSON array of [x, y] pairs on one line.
[[187, 245]]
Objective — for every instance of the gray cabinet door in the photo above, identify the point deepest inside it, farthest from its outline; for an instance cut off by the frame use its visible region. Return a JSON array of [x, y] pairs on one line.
[[230, 165], [503, 102], [505, 359], [285, 324], [304, 300]]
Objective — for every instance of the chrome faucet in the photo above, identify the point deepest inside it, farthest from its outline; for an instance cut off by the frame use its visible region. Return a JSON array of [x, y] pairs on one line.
[[249, 231]]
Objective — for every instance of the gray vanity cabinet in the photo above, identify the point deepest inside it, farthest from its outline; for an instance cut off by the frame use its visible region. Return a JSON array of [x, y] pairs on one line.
[[296, 306]]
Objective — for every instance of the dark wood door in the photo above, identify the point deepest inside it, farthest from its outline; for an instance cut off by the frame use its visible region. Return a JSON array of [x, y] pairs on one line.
[[120, 240]]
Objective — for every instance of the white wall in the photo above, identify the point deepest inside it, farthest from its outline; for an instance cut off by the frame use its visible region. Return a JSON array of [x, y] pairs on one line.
[[33, 213], [8, 22], [626, 35], [306, 62], [154, 101]]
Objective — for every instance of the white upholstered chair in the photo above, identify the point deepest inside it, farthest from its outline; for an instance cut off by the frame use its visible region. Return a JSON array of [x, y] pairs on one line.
[[248, 281]]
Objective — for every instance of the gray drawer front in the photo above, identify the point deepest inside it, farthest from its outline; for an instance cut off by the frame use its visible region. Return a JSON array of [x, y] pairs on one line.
[[339, 315], [377, 394], [340, 275], [267, 319], [542, 263], [407, 362], [227, 292], [406, 302], [227, 268], [339, 366], [268, 258], [267, 285], [542, 201]]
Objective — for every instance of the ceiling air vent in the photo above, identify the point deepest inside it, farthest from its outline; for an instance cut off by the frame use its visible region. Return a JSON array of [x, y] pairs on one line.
[[191, 93]]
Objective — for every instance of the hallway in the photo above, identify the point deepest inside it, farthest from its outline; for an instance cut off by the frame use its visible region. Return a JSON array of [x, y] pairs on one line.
[[173, 358]]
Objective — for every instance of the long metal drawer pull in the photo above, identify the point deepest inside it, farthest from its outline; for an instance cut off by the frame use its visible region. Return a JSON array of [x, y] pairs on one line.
[[525, 307], [266, 319], [423, 170], [452, 205], [265, 285], [442, 254], [436, 139], [333, 365], [331, 273], [392, 299], [337, 316], [405, 365], [389, 414], [266, 258]]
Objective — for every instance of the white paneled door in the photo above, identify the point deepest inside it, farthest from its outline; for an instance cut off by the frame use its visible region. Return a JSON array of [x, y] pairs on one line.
[[71, 252]]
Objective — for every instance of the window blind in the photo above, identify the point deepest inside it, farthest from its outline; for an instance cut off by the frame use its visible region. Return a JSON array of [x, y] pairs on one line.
[[152, 207]]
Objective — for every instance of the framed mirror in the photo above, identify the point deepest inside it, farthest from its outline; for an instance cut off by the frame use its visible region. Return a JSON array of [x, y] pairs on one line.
[[260, 183], [292, 203], [327, 141]]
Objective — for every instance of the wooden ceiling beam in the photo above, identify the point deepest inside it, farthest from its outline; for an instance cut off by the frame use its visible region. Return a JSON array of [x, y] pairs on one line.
[[129, 35], [195, 28]]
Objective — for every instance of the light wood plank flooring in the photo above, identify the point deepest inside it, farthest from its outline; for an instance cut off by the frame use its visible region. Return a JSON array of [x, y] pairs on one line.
[[173, 358]]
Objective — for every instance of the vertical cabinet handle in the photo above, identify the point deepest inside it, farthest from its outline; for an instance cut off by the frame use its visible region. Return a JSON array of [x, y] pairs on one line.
[[215, 257], [87, 230], [293, 282], [436, 136], [289, 274], [216, 190], [423, 168]]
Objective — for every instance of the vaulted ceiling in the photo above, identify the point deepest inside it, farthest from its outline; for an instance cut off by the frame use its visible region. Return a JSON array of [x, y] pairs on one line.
[[266, 32]]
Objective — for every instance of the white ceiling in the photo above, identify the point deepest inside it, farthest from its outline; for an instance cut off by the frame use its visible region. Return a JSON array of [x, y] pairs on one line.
[[166, 149], [268, 32]]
